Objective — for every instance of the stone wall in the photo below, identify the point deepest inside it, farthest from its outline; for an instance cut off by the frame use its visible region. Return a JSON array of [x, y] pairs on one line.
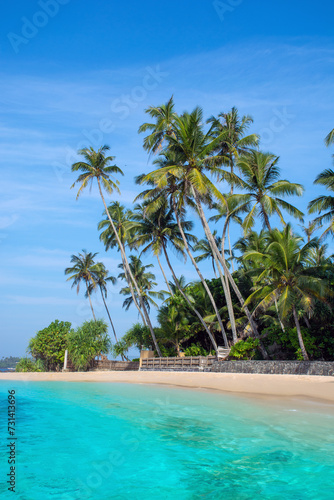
[[275, 367], [264, 367]]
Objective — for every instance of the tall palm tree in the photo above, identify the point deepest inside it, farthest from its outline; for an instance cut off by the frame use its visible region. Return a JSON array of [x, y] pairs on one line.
[[156, 230], [97, 166], [193, 149], [324, 203], [287, 277], [101, 282], [230, 210], [252, 241], [309, 229], [232, 129], [164, 116], [145, 282], [203, 246], [121, 219], [85, 270], [261, 180]]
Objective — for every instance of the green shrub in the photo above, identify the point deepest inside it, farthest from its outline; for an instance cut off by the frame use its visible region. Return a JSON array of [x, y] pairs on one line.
[[244, 349], [196, 350], [288, 340], [29, 365], [49, 345], [88, 341]]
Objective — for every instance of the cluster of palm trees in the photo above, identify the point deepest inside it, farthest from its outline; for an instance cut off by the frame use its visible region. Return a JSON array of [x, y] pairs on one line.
[[212, 168]]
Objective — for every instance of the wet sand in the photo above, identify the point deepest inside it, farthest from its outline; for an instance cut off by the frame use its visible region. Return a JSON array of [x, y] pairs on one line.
[[277, 386]]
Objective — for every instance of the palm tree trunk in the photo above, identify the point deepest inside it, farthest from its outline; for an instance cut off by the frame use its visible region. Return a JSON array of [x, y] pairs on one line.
[[188, 301], [306, 321], [214, 268], [207, 289], [226, 271], [279, 317], [299, 333], [229, 302], [229, 245], [127, 267], [90, 301], [266, 218], [163, 273], [112, 324], [128, 279]]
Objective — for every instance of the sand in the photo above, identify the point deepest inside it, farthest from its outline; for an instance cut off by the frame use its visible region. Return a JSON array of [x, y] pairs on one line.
[[297, 386]]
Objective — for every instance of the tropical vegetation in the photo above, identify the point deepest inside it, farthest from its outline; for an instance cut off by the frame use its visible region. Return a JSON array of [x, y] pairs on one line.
[[267, 294]]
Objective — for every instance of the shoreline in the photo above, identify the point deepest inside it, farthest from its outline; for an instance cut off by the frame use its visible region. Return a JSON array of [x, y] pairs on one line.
[[320, 388]]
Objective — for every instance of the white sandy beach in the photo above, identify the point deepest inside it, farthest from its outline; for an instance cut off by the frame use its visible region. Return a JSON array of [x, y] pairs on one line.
[[309, 387]]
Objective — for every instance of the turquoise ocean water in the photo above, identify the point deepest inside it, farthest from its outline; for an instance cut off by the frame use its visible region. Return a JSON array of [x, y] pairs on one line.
[[79, 441]]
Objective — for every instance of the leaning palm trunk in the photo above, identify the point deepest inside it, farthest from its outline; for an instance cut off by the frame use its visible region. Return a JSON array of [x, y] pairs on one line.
[[228, 299], [90, 301], [207, 289], [299, 333], [112, 324], [127, 270], [229, 246], [221, 259], [163, 273], [279, 317], [129, 281], [189, 303]]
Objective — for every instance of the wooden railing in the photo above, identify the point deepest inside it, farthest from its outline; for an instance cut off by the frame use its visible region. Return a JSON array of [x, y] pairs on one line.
[[178, 362], [115, 365]]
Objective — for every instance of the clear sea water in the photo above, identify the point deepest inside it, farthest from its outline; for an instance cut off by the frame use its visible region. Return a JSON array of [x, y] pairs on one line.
[[79, 441]]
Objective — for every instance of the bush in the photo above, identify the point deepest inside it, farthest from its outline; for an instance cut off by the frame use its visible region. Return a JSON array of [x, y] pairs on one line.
[[196, 350], [289, 343], [49, 345], [29, 365], [137, 336], [87, 342], [244, 349]]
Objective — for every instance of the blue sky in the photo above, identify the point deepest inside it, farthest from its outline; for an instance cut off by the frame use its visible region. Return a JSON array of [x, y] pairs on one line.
[[85, 74]]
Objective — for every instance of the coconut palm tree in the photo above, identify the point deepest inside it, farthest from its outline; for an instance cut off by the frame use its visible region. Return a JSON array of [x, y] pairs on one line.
[[84, 270], [145, 283], [252, 241], [164, 116], [232, 129], [261, 180], [192, 149], [102, 281], [230, 210], [156, 230], [324, 203], [174, 323], [309, 229], [286, 276], [98, 167], [121, 219], [207, 253], [175, 189]]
